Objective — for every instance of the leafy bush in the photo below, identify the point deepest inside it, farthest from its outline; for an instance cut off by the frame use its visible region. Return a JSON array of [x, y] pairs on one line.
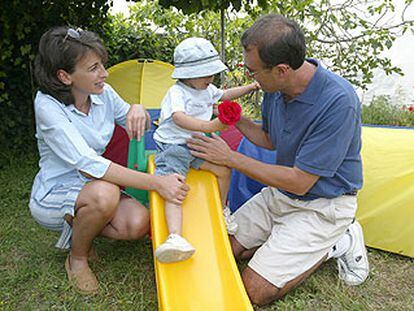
[[381, 112], [153, 32], [23, 22]]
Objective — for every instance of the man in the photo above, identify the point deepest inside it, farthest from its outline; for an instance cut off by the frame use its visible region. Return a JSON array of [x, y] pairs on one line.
[[305, 216]]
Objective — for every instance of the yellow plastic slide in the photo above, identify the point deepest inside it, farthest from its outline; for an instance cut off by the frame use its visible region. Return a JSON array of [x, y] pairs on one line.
[[210, 280]]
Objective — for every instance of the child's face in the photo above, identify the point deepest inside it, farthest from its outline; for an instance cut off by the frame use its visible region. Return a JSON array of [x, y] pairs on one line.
[[199, 83]]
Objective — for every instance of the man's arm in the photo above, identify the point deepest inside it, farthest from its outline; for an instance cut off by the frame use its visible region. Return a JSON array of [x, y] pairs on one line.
[[254, 133], [215, 150], [291, 179]]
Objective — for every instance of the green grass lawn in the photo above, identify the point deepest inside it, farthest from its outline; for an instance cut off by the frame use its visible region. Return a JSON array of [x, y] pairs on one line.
[[32, 274]]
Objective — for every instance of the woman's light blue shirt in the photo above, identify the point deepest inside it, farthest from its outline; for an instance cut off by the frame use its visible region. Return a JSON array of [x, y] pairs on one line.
[[71, 141]]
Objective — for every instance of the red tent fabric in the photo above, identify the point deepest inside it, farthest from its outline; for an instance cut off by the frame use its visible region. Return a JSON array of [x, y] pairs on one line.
[[117, 149], [232, 136]]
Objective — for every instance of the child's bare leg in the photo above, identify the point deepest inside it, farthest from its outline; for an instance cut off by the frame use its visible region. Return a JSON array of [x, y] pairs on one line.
[[175, 247], [223, 175], [174, 217]]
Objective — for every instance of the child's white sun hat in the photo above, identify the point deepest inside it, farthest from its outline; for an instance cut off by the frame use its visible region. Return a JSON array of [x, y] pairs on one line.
[[196, 58]]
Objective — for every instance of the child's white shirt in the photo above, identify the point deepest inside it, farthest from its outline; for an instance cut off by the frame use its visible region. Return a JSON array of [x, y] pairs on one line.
[[195, 103]]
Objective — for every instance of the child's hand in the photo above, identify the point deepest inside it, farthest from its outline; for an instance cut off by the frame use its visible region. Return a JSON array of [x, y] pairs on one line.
[[255, 86], [218, 126], [215, 110]]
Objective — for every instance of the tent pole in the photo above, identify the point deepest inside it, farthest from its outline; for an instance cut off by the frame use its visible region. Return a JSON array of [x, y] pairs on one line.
[[223, 48]]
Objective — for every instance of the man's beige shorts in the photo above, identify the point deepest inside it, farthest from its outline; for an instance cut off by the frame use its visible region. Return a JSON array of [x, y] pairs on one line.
[[293, 235]]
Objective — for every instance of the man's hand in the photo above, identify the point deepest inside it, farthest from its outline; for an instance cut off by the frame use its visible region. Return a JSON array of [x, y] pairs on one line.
[[173, 188], [136, 121], [213, 149]]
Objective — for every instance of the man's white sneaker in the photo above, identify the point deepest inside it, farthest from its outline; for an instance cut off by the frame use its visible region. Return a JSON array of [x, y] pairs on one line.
[[174, 249], [353, 266], [229, 219]]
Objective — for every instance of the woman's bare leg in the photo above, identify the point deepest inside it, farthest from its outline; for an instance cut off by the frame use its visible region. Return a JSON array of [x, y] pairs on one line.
[[130, 222], [95, 207]]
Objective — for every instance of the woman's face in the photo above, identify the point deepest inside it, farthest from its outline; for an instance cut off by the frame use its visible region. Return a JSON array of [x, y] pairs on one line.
[[89, 75]]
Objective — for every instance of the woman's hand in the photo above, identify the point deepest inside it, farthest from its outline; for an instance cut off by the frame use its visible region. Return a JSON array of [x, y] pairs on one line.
[[136, 121], [173, 188]]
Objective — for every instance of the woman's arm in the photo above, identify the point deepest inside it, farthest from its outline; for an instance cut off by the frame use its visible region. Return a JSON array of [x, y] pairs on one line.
[[134, 118], [67, 143], [137, 120], [171, 187]]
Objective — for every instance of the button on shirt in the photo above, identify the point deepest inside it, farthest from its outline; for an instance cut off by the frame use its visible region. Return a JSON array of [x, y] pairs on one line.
[[193, 102], [71, 141], [319, 132]]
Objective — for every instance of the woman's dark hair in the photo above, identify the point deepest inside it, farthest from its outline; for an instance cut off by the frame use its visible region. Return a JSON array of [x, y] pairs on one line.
[[278, 41], [62, 48]]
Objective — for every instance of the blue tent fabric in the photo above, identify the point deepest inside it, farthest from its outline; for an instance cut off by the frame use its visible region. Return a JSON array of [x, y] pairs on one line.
[[149, 141], [242, 187]]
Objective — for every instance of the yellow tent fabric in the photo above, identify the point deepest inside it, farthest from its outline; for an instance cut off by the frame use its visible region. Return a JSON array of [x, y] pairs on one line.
[[131, 78], [386, 201]]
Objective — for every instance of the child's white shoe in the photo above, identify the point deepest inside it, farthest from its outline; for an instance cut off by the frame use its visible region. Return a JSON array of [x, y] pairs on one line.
[[229, 219], [174, 249]]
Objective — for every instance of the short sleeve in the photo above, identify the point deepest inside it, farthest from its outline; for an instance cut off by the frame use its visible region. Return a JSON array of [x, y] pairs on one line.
[[265, 113], [64, 139], [120, 107], [215, 93], [175, 99], [325, 149]]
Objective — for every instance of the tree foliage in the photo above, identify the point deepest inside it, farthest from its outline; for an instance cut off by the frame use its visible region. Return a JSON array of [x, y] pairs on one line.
[[22, 24], [349, 36], [195, 6], [349, 42]]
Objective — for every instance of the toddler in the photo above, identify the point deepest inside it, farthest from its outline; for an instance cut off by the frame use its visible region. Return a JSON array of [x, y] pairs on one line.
[[187, 108]]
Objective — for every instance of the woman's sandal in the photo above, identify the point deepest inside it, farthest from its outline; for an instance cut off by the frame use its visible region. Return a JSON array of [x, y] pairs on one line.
[[84, 280]]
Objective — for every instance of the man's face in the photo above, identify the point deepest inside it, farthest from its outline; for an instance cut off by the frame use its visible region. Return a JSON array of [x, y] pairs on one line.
[[268, 78]]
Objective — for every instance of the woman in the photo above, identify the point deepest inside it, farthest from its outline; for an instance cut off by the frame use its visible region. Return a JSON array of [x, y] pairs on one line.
[[75, 116]]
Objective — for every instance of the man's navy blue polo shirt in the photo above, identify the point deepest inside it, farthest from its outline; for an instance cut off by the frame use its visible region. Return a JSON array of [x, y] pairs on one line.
[[319, 132]]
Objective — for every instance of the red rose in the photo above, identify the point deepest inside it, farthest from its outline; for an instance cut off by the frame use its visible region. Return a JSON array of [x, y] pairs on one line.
[[411, 108], [229, 112]]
